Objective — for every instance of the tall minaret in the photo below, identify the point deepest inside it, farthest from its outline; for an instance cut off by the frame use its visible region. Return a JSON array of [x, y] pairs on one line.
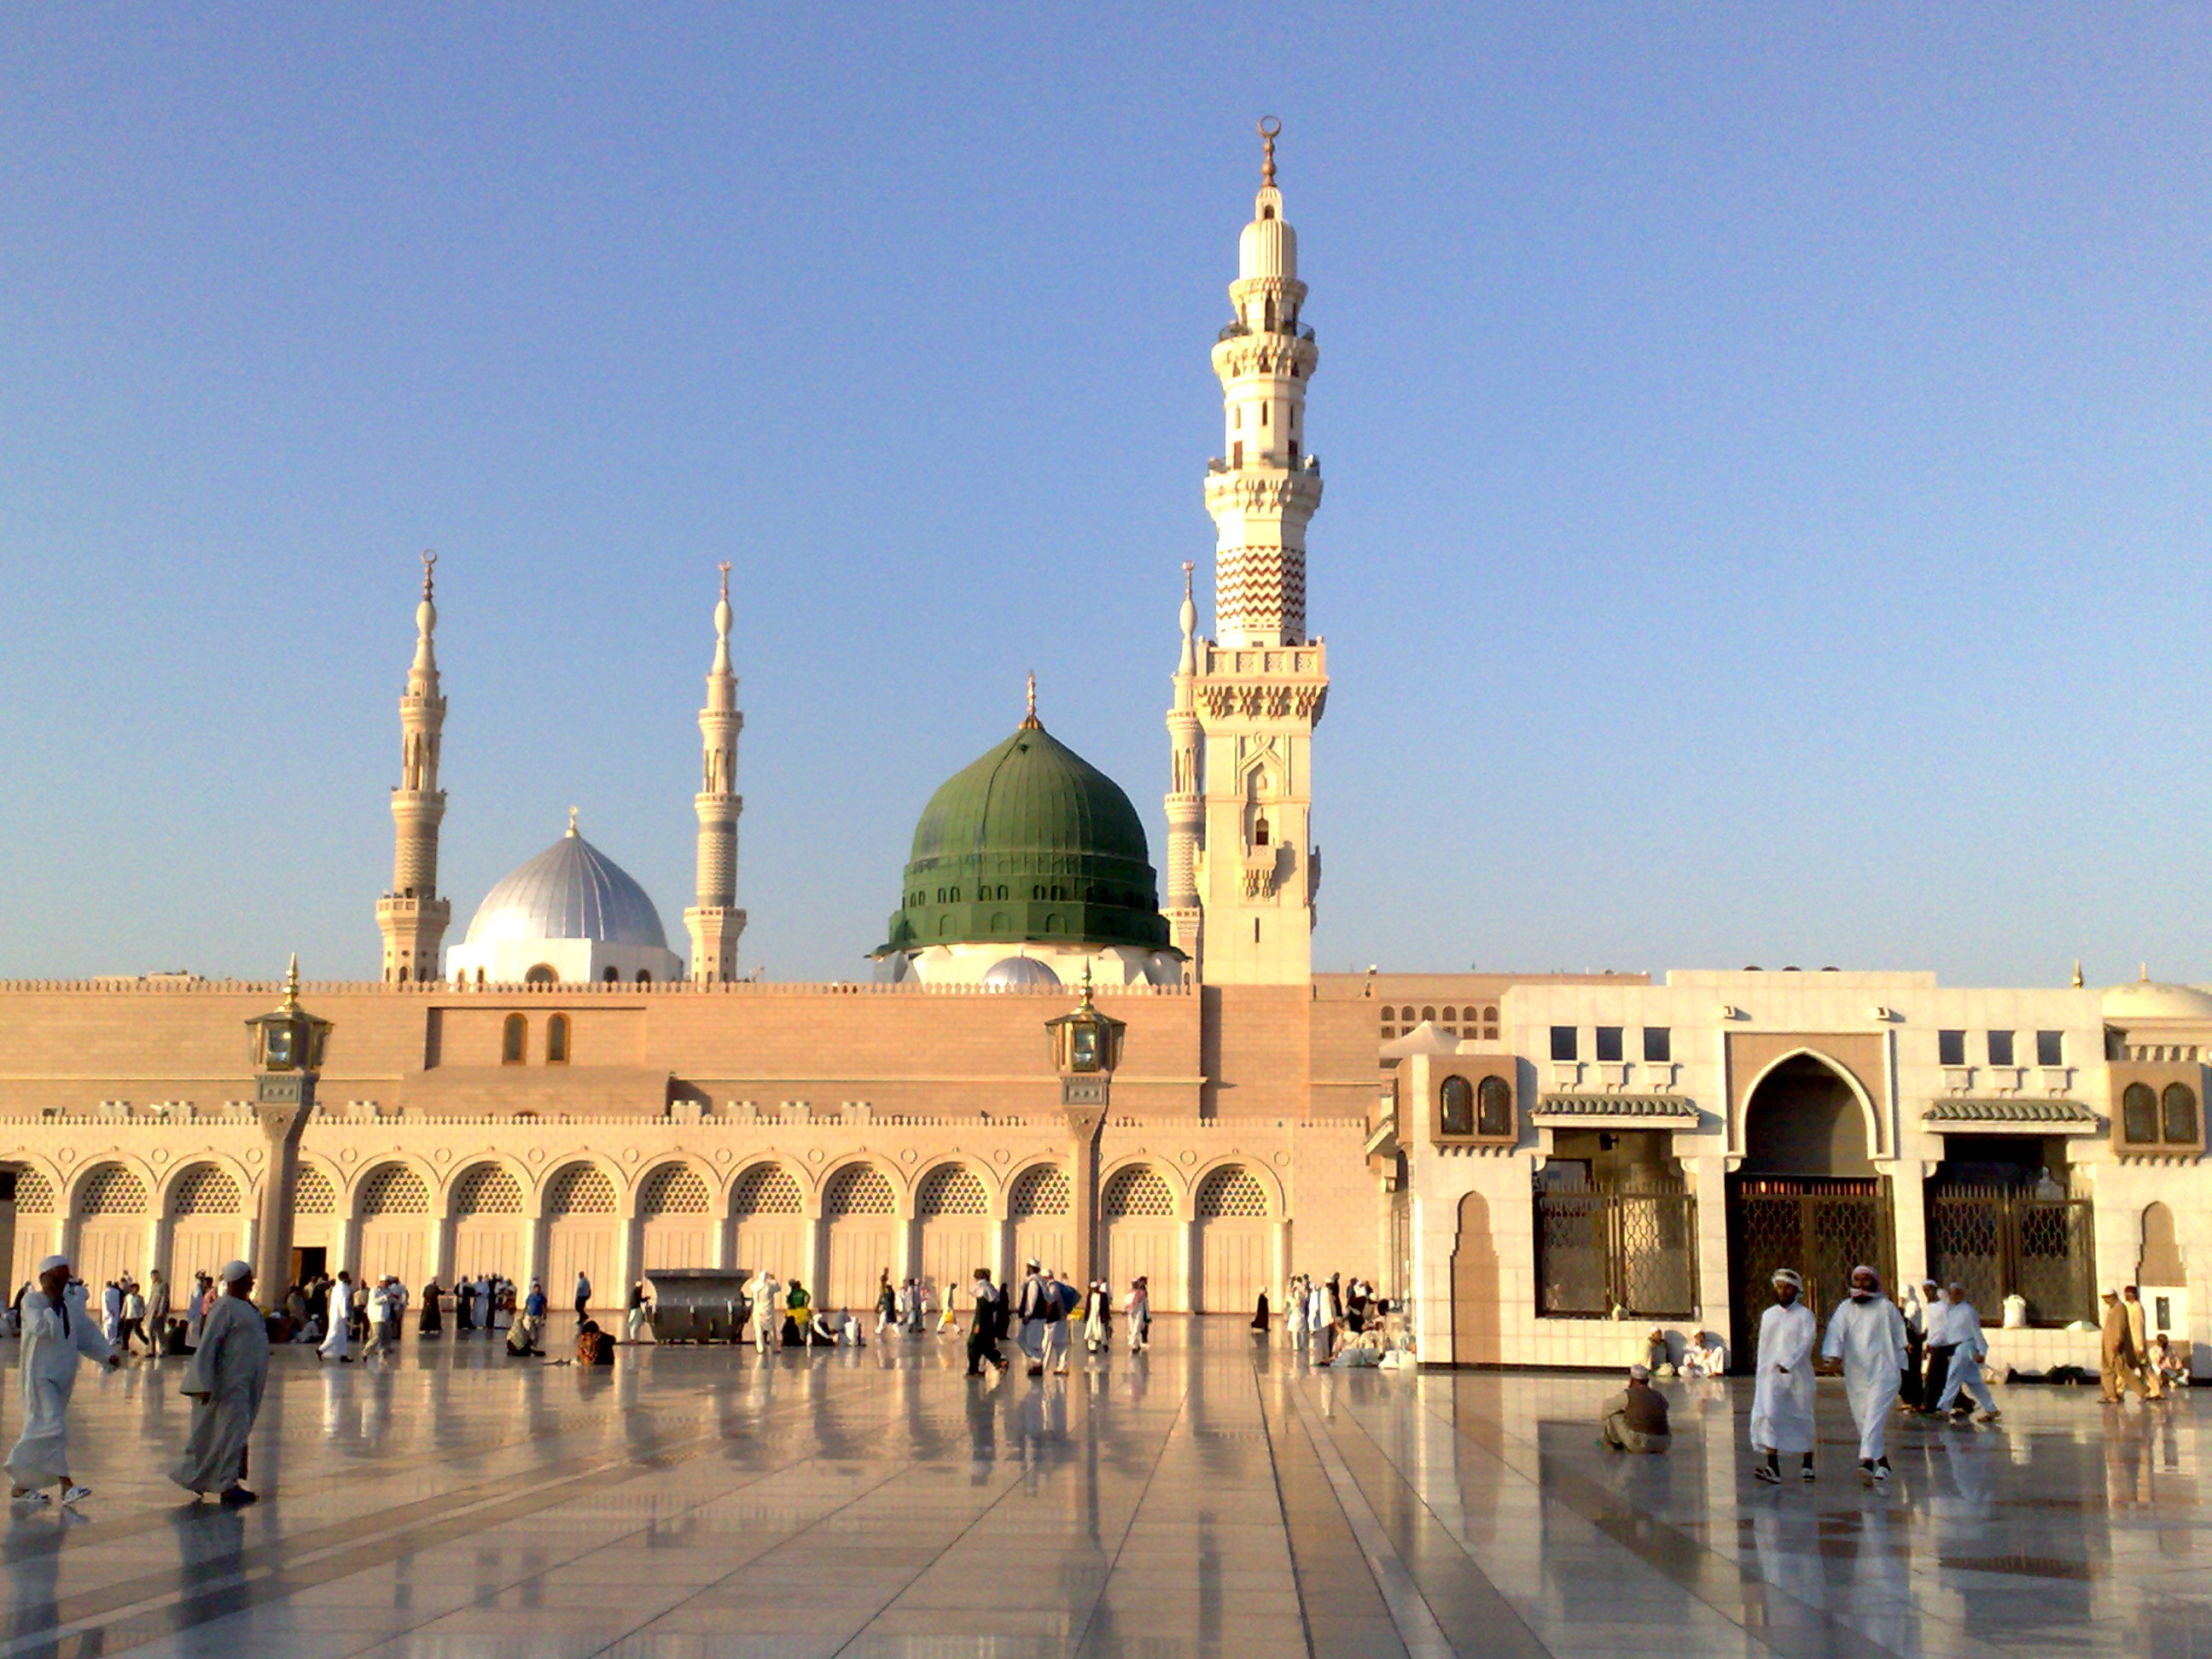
[[716, 922], [1185, 809], [411, 916], [1257, 694]]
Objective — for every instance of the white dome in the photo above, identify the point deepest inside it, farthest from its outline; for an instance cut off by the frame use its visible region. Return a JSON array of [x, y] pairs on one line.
[[2150, 1000], [570, 891], [1268, 247], [1023, 971]]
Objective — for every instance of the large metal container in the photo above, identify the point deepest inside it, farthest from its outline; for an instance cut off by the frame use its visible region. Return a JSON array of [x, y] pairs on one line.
[[697, 1304]]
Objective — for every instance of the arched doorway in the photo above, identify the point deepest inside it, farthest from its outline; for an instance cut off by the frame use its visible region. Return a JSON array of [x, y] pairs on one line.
[[488, 1223], [112, 1227], [1805, 1197], [954, 1216], [395, 1217], [768, 1223], [208, 1225], [1477, 1330], [38, 1209], [1234, 1240], [580, 1237], [675, 1224], [2161, 1277], [860, 1213], [1139, 1209], [1038, 1208]]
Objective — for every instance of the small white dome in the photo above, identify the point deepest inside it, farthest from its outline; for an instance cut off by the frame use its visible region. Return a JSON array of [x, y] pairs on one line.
[[2151, 1000], [1022, 972], [1268, 247], [570, 891]]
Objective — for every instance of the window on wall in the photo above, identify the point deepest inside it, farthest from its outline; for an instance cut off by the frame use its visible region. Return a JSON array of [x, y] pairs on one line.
[[2050, 1048], [2000, 1049], [556, 1040], [1950, 1048], [611, 975], [644, 978], [1493, 1112], [1608, 1045], [542, 974], [1455, 1107], [2178, 1112], [513, 1040], [1658, 1044], [1563, 1042], [2139, 1115]]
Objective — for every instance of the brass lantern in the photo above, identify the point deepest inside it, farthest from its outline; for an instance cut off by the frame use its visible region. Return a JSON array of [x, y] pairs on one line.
[[1086, 1042], [291, 1039]]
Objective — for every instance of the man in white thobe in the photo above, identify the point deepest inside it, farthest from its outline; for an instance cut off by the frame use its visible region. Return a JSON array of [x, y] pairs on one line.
[[381, 1319], [1867, 1332], [767, 1295], [57, 1338], [225, 1381], [1781, 1392], [1964, 1326], [338, 1343]]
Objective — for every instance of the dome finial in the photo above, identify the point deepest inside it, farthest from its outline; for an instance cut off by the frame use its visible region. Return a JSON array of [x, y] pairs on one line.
[[2077, 973], [1030, 722], [572, 820], [292, 985], [1269, 127], [724, 569], [430, 566]]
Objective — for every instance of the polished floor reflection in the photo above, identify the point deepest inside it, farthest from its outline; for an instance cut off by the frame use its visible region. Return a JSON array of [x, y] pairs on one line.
[[1213, 1497]]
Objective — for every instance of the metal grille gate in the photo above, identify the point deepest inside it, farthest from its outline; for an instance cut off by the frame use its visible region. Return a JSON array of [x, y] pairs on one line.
[[1600, 1247], [1821, 1226], [1996, 1241]]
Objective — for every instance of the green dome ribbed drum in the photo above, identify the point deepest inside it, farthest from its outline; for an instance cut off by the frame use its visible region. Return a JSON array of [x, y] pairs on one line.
[[1030, 844]]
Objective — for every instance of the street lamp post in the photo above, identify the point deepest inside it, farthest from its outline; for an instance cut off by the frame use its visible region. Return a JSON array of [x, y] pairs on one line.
[[287, 1060], [1086, 1047]]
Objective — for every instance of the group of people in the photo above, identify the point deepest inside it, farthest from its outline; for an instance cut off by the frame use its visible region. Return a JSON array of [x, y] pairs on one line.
[[1041, 1316], [228, 1350], [1318, 1314], [2152, 1369], [131, 1313], [341, 1315]]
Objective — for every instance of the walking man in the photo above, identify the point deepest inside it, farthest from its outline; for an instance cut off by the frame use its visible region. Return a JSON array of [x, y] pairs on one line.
[[1941, 1345], [1867, 1332], [57, 1338], [1036, 1291], [2120, 1362], [2154, 1384], [767, 1310], [583, 1295], [1969, 1348], [1782, 1395], [157, 1314], [338, 1341], [225, 1381], [987, 1325]]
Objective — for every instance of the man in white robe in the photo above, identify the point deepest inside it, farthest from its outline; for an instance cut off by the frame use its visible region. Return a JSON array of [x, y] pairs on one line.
[[767, 1308], [1964, 1326], [381, 1319], [58, 1337], [225, 1381], [1866, 1334], [1781, 1392], [338, 1344]]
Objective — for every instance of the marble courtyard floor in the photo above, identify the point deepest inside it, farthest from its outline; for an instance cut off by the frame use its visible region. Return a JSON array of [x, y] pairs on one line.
[[1213, 1497]]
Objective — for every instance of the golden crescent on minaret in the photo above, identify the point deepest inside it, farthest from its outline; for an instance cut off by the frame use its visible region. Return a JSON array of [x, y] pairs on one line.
[[1270, 127], [430, 566]]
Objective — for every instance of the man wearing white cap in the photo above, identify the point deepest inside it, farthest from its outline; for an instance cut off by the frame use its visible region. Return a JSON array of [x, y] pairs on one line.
[[1782, 1391], [1867, 1332], [56, 1339], [227, 1373]]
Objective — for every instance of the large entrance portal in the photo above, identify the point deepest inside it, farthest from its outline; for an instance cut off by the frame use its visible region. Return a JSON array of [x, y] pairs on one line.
[[1807, 1196]]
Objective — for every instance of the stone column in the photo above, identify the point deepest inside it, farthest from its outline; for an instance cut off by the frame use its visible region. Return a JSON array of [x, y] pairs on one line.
[[286, 1100], [1083, 1123]]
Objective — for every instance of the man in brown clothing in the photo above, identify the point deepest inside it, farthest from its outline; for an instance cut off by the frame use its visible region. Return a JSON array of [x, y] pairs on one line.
[[2119, 1362], [1635, 1419]]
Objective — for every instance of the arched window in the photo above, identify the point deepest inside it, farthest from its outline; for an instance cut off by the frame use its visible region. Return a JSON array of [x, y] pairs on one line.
[[480, 976], [1259, 831], [556, 1040], [513, 1040], [2139, 1115], [403, 976], [1451, 1016], [643, 977], [1493, 1114], [2178, 1108], [542, 974], [1455, 1107], [1428, 1013], [612, 976]]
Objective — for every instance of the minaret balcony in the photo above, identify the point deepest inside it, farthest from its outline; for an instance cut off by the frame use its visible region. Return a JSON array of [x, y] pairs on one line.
[[1267, 460], [1238, 331]]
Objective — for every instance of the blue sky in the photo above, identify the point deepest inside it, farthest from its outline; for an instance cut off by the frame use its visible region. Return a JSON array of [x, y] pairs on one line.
[[1766, 453]]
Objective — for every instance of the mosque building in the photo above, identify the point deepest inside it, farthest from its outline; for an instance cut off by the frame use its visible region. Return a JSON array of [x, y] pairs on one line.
[[1541, 1167]]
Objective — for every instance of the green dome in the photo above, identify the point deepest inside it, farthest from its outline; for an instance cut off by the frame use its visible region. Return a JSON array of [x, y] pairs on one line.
[[1030, 842]]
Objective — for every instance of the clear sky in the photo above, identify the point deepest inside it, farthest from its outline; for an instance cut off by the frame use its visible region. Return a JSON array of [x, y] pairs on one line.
[[1766, 457]]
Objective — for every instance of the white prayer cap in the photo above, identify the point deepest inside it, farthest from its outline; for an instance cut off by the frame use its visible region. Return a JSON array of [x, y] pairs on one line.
[[1955, 1285], [1033, 1262], [1788, 1276], [1640, 1374], [51, 1263], [235, 1271]]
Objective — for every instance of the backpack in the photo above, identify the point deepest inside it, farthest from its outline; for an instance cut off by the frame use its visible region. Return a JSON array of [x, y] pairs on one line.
[[1051, 1310]]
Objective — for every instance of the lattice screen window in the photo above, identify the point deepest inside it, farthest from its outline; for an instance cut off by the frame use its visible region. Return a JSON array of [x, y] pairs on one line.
[[315, 1195], [1041, 1189], [1139, 1191], [486, 1189], [111, 1190], [767, 1189], [34, 1193], [859, 1189], [675, 1189], [953, 1189], [207, 1189], [581, 1189], [1235, 1191], [394, 1189]]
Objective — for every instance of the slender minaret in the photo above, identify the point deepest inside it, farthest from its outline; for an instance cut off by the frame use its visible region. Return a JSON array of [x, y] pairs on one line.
[[1256, 694], [716, 922], [411, 916]]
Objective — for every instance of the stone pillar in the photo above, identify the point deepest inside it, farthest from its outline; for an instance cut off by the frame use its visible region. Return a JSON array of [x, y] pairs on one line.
[[1083, 1123], [286, 1100]]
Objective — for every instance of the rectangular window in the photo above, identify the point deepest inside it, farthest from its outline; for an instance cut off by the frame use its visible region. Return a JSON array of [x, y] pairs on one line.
[[2050, 1048], [1658, 1044], [1951, 1047], [2000, 1047], [1608, 1045], [1563, 1042]]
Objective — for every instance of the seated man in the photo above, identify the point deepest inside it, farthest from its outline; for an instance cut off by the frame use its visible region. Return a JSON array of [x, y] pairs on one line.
[[2170, 1361], [593, 1346], [1635, 1419], [1703, 1356]]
